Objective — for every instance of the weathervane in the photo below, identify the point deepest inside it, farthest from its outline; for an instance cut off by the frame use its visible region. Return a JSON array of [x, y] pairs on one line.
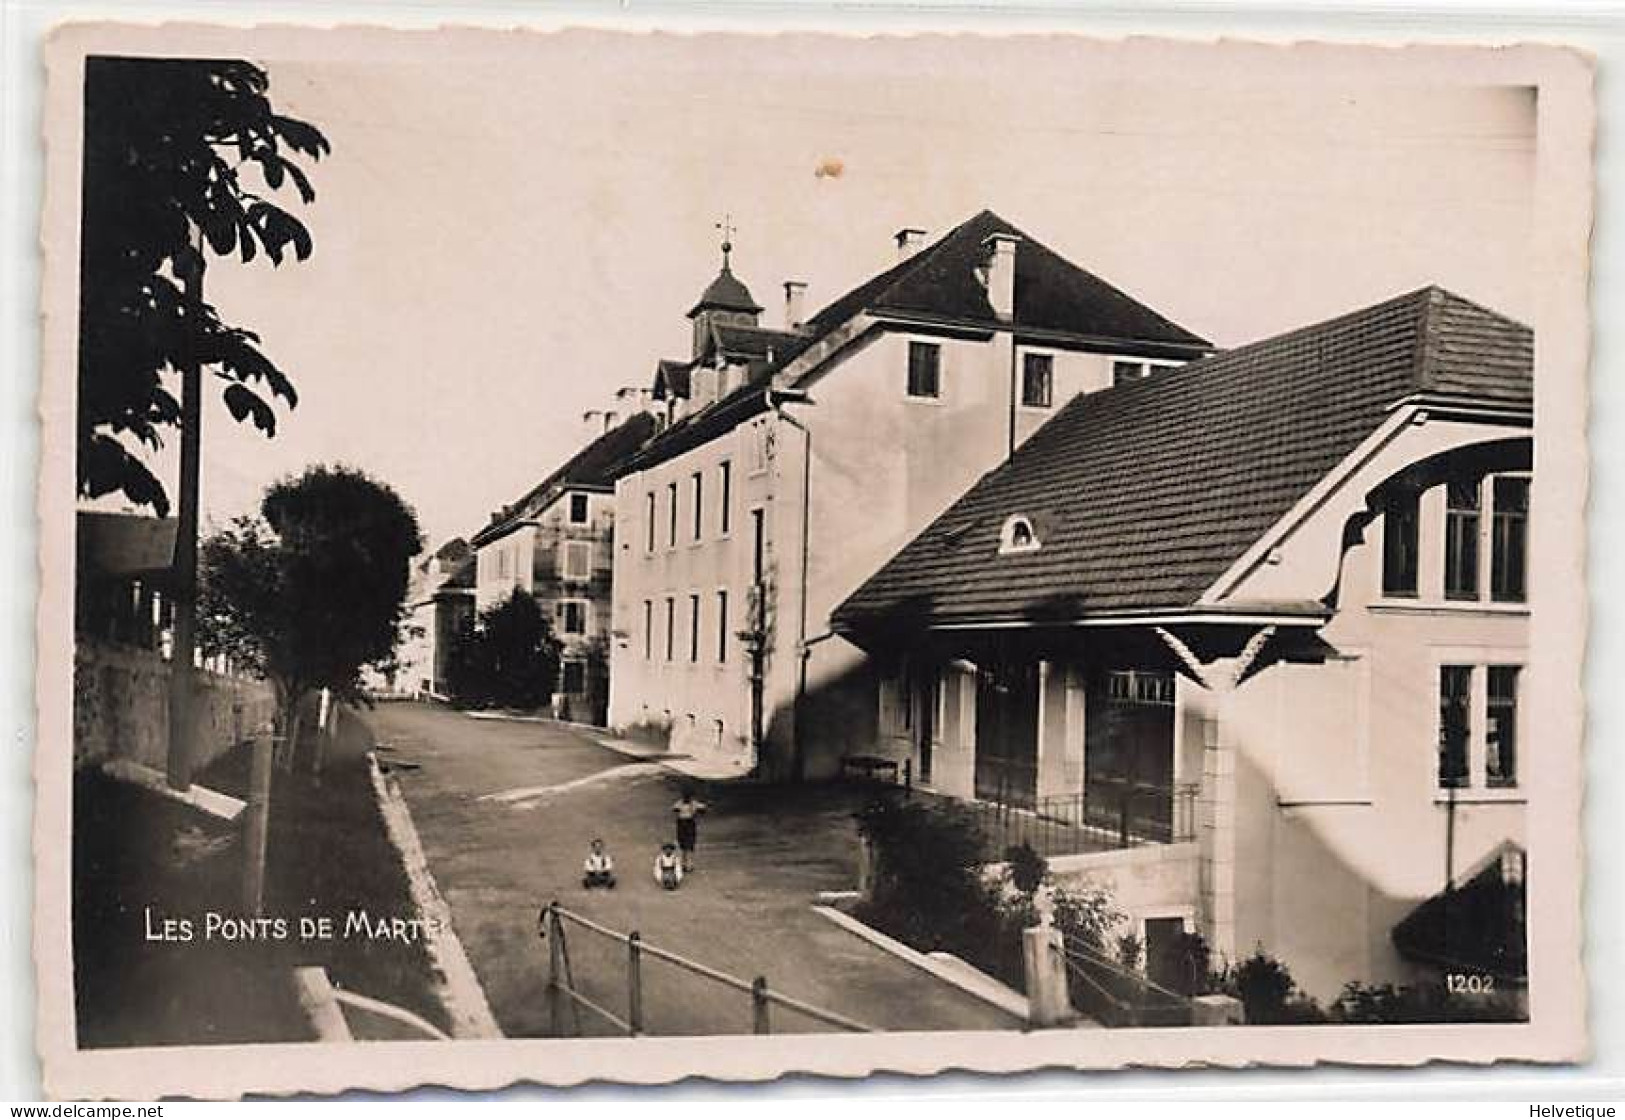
[[728, 230]]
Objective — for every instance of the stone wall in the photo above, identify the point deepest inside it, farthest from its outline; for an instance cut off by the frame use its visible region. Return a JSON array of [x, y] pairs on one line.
[[121, 707]]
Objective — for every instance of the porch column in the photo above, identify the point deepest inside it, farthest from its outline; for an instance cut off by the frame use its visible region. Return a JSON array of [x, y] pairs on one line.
[[1216, 822]]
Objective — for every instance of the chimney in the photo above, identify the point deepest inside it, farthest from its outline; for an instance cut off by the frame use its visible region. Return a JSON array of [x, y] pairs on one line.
[[702, 387], [592, 424], [795, 292], [610, 420], [1001, 274], [908, 241]]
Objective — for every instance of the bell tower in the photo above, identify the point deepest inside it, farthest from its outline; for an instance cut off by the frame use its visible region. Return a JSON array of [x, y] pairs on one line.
[[725, 299]]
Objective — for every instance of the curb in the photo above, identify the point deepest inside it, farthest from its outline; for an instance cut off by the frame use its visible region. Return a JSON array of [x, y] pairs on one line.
[[460, 990], [960, 974]]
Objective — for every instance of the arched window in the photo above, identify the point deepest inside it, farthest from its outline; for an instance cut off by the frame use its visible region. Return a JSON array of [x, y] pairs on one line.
[[1018, 535]]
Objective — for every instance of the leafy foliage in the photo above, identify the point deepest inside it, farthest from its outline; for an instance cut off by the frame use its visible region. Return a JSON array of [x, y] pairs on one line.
[[931, 890], [1268, 993], [1423, 1003], [166, 145], [314, 590], [511, 660]]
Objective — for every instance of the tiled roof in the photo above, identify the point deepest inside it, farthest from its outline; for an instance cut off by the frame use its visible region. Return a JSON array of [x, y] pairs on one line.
[[726, 293], [1144, 494], [939, 283], [671, 378], [593, 467], [702, 426], [736, 340]]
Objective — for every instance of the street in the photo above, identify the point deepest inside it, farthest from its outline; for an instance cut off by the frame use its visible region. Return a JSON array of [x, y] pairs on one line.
[[505, 811]]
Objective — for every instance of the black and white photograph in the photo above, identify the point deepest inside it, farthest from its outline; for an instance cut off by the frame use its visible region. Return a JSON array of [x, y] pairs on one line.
[[579, 555]]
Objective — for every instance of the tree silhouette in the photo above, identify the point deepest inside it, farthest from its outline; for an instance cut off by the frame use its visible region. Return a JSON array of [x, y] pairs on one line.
[[166, 146], [314, 590]]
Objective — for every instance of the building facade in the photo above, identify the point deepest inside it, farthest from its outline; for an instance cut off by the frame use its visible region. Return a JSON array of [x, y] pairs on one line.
[[556, 544], [796, 462], [440, 605], [1260, 621]]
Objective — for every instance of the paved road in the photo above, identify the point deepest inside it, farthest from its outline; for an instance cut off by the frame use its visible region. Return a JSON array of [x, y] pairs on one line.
[[505, 811]]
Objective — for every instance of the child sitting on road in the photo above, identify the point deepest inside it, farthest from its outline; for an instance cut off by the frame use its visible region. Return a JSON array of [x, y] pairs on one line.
[[598, 870], [668, 867]]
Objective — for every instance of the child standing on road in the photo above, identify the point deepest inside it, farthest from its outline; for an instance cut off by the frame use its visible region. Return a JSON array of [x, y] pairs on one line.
[[598, 870], [668, 867], [687, 810]]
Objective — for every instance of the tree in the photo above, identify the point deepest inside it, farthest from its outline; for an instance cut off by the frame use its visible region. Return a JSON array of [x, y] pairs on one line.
[[313, 590], [166, 143], [511, 659]]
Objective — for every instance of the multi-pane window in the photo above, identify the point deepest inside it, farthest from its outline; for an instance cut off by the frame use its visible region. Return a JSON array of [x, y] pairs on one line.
[[1400, 543], [671, 627], [699, 503], [671, 514], [649, 521], [1461, 527], [1478, 726], [758, 544], [577, 559], [1037, 380], [722, 626], [1501, 730], [1140, 686], [1455, 725], [578, 509], [648, 629], [693, 628], [724, 496], [924, 369], [1125, 371], [1509, 505], [573, 616]]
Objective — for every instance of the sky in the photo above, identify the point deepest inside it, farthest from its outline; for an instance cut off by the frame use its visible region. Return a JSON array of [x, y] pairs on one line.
[[511, 227]]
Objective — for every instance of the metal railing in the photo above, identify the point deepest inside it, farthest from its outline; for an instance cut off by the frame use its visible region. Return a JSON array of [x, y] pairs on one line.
[[566, 999], [1110, 994], [1104, 817]]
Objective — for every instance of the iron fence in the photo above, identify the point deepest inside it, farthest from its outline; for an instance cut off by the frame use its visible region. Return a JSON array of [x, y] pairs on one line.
[[1103, 817], [566, 1000]]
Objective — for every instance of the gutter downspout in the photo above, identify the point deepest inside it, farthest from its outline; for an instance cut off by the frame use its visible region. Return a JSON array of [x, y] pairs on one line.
[[803, 646]]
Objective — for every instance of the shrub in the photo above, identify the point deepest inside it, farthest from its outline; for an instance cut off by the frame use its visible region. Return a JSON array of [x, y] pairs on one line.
[[1268, 993], [1130, 952], [1027, 868], [1423, 1003]]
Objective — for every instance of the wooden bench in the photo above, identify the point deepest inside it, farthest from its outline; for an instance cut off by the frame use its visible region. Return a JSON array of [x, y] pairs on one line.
[[869, 766]]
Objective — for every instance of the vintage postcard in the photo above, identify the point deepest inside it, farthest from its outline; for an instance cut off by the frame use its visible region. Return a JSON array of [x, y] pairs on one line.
[[588, 555]]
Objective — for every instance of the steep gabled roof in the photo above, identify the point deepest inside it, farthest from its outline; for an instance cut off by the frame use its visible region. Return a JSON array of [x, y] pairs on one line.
[[592, 468], [737, 341], [671, 378], [1145, 493], [939, 283]]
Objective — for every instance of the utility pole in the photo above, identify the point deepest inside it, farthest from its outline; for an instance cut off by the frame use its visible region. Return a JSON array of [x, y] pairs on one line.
[[182, 695]]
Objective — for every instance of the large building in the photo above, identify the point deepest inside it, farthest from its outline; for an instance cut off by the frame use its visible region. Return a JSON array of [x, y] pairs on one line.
[[1277, 596], [440, 606], [555, 544], [796, 461]]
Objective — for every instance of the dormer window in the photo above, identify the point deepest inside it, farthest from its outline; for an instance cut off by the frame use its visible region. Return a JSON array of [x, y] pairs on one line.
[[1018, 535]]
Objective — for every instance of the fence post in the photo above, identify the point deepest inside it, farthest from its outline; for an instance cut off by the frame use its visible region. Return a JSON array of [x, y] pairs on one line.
[[634, 983], [758, 999], [553, 930], [257, 822]]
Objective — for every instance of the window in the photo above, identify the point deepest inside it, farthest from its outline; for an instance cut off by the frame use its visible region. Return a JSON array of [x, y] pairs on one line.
[[1455, 725], [1140, 686], [1461, 540], [648, 629], [671, 526], [1037, 380], [649, 521], [722, 627], [724, 496], [1123, 371], [693, 628], [578, 509], [924, 369], [577, 560], [1501, 728], [1509, 504], [573, 616], [1400, 528], [502, 562], [758, 537], [575, 677], [699, 504], [1018, 535], [671, 627]]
